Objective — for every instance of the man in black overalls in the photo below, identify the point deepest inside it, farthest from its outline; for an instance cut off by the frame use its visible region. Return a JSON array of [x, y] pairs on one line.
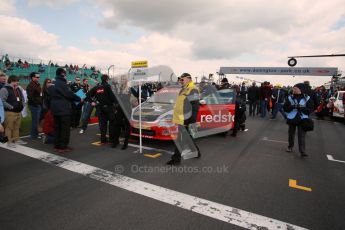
[[105, 105]]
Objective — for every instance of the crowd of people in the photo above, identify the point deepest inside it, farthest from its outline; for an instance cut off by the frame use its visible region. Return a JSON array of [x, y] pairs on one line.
[[57, 107], [16, 64]]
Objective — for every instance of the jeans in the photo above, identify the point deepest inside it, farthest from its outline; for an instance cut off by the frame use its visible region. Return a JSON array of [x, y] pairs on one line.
[[87, 110], [278, 108], [49, 138], [263, 105], [35, 119]]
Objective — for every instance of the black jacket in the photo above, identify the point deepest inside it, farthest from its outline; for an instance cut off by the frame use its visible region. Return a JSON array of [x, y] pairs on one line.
[[15, 98], [253, 93], [61, 97], [103, 94], [282, 96], [33, 91]]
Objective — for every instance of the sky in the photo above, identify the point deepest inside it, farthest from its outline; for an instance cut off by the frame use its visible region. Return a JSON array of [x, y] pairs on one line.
[[195, 36]]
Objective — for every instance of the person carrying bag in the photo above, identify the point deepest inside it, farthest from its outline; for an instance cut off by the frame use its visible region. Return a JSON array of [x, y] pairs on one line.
[[298, 106]]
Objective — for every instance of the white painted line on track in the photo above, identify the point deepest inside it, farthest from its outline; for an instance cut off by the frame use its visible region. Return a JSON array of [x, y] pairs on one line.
[[277, 141], [195, 204], [330, 157], [150, 148]]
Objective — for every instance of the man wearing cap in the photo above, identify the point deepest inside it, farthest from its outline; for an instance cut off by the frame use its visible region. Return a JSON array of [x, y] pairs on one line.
[[224, 84], [278, 99], [185, 113], [298, 106]]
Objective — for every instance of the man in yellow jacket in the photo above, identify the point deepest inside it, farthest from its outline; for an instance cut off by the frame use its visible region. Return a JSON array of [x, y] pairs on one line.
[[185, 113]]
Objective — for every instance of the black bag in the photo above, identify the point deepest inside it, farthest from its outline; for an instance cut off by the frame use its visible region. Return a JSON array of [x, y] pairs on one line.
[[307, 124]]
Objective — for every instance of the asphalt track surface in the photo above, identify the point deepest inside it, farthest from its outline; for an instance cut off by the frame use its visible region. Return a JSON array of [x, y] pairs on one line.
[[250, 172]]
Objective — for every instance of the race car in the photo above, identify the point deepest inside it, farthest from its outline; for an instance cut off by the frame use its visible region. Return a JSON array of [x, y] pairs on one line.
[[338, 108], [216, 114]]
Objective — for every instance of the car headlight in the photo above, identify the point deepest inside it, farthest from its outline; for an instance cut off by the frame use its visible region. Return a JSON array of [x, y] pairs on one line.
[[166, 121]]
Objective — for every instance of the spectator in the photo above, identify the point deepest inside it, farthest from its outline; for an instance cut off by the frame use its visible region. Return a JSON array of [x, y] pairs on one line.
[[34, 93], [26, 65], [87, 107], [3, 139], [253, 98], [61, 99], [311, 93], [13, 100], [19, 63], [85, 85], [45, 100], [76, 108], [48, 128], [224, 84], [243, 92], [89, 104], [3, 80], [321, 109], [278, 99], [41, 68], [206, 89], [240, 115], [265, 97]]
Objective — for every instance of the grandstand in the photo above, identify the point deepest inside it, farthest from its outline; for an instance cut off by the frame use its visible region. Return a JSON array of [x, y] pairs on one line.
[[10, 66]]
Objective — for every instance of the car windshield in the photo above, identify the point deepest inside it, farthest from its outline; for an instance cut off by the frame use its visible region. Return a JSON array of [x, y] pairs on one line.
[[165, 95], [226, 96]]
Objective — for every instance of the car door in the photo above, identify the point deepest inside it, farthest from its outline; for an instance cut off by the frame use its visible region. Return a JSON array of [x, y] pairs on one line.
[[217, 110]]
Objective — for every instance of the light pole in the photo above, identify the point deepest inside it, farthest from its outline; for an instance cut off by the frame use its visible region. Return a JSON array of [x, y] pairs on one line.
[[112, 66]]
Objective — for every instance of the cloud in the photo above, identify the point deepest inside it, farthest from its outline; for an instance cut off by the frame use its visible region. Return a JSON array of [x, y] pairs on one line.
[[196, 37], [51, 3], [19, 37], [228, 29], [7, 7]]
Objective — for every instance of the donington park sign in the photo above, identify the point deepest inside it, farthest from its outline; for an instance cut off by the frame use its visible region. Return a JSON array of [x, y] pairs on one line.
[[311, 71]]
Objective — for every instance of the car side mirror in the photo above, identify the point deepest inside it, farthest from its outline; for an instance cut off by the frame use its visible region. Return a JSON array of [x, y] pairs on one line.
[[202, 102]]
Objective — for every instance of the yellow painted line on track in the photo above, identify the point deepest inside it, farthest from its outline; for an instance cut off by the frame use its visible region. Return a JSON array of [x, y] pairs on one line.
[[293, 184], [97, 143], [153, 155]]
